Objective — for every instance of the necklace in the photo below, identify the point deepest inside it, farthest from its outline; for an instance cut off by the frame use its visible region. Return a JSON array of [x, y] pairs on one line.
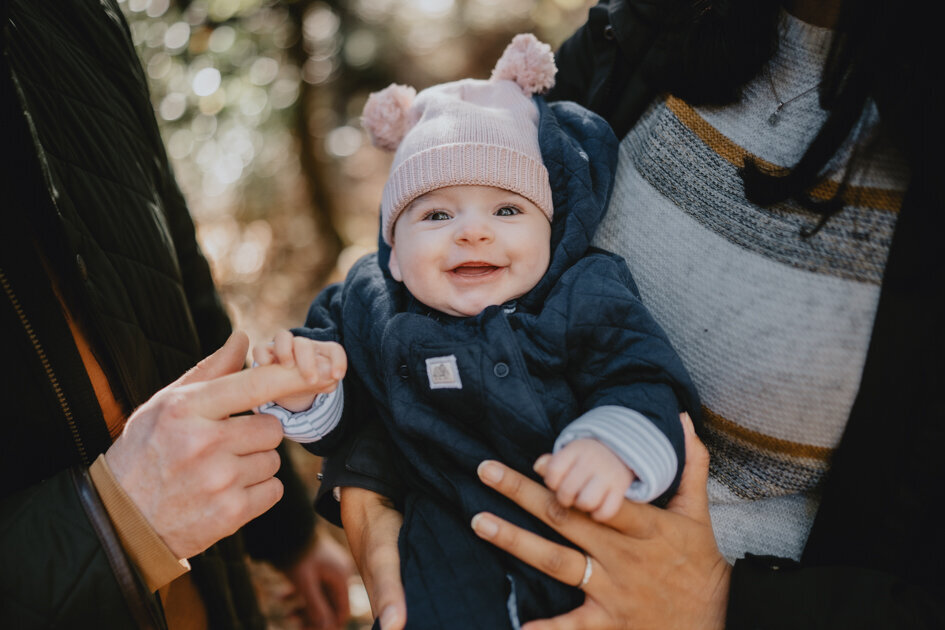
[[775, 116]]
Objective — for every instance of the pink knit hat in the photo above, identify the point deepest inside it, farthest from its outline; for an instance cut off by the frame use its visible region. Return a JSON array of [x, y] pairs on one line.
[[469, 132]]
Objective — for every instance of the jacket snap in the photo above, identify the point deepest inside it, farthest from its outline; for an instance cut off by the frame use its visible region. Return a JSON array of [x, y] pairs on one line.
[[501, 370]]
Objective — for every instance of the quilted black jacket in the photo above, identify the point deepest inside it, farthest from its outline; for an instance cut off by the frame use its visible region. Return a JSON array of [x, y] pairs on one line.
[[85, 181]]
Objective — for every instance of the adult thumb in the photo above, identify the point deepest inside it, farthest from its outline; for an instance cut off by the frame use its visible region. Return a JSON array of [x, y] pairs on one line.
[[691, 499], [230, 358]]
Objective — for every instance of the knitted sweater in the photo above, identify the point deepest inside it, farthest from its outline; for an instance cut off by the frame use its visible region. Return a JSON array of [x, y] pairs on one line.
[[772, 326]]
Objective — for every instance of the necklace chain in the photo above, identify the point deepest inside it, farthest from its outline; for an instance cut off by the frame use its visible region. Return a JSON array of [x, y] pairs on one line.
[[775, 116]]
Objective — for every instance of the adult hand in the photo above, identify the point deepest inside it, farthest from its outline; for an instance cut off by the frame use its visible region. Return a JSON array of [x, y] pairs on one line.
[[320, 577], [196, 474], [652, 568], [372, 526]]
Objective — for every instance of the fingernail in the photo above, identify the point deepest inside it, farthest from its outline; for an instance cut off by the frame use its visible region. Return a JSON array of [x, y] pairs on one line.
[[541, 463], [490, 471], [484, 526], [389, 617]]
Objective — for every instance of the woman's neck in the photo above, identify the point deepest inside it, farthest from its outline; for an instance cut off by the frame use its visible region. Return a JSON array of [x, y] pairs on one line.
[[817, 12]]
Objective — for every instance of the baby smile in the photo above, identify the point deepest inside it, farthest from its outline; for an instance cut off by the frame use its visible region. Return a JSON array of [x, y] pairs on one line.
[[476, 270]]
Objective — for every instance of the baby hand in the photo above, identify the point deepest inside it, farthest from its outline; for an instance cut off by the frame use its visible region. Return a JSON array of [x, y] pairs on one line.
[[322, 364], [587, 475]]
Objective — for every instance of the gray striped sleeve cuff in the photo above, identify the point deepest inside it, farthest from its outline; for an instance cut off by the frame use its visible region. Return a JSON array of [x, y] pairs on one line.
[[635, 440], [315, 422]]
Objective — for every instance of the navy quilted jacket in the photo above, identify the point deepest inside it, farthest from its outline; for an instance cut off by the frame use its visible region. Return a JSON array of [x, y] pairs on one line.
[[579, 340]]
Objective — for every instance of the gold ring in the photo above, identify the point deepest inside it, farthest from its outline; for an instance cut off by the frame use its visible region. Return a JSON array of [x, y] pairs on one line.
[[588, 570]]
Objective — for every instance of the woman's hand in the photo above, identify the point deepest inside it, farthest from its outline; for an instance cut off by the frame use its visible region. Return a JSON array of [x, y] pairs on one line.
[[651, 568], [372, 526]]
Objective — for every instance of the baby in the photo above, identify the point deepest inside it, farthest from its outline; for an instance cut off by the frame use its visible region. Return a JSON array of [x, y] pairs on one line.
[[490, 329]]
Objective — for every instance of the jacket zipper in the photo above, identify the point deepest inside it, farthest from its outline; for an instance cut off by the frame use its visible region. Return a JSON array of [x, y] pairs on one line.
[[50, 373]]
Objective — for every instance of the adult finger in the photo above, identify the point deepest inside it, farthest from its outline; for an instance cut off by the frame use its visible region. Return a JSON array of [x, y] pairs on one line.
[[234, 393], [562, 563], [632, 519], [691, 499], [372, 527], [261, 497], [257, 467], [386, 587], [588, 616], [252, 434], [229, 358]]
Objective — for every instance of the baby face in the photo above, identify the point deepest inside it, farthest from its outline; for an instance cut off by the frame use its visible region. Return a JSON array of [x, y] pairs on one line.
[[460, 249]]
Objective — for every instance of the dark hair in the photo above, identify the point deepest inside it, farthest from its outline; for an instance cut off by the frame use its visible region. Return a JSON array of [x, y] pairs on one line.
[[720, 45]]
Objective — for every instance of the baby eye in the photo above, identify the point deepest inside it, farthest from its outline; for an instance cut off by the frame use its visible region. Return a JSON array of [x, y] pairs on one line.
[[436, 215], [507, 211]]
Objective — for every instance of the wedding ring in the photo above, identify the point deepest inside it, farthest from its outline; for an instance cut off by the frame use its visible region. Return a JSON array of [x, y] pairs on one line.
[[588, 570]]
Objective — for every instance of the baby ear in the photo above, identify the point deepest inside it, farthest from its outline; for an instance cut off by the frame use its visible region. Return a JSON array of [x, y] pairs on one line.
[[528, 62], [385, 115]]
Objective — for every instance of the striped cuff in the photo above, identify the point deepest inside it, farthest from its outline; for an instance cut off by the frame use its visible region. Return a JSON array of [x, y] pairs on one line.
[[635, 440], [314, 423]]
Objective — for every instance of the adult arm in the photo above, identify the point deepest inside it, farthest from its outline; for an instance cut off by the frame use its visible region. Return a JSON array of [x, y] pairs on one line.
[[195, 474]]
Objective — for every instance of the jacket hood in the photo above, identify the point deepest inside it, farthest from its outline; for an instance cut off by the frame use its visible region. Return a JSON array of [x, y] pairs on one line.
[[579, 150]]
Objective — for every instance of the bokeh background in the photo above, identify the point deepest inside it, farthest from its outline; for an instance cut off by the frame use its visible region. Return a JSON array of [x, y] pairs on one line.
[[259, 104]]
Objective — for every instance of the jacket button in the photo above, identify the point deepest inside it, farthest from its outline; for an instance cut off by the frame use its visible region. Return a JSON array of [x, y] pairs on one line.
[[403, 372], [609, 32], [80, 265], [501, 370]]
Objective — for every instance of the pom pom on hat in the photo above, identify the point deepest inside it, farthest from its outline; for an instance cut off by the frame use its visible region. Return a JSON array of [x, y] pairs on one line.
[[386, 115], [528, 62]]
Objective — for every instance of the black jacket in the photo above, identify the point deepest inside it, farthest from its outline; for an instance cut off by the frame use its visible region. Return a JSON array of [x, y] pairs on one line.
[[875, 554], [85, 181]]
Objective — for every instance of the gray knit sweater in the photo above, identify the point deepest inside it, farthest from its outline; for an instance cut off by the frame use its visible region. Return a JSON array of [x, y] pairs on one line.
[[773, 327]]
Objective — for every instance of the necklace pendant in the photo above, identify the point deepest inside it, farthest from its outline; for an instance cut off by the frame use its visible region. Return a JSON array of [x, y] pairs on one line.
[[774, 119]]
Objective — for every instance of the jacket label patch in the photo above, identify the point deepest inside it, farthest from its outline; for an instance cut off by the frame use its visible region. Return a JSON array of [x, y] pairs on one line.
[[443, 373]]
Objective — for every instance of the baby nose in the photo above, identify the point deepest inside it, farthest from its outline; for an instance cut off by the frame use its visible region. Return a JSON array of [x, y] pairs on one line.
[[474, 230]]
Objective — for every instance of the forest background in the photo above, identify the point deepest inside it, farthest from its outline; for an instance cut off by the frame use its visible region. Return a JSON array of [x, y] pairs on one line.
[[259, 104]]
